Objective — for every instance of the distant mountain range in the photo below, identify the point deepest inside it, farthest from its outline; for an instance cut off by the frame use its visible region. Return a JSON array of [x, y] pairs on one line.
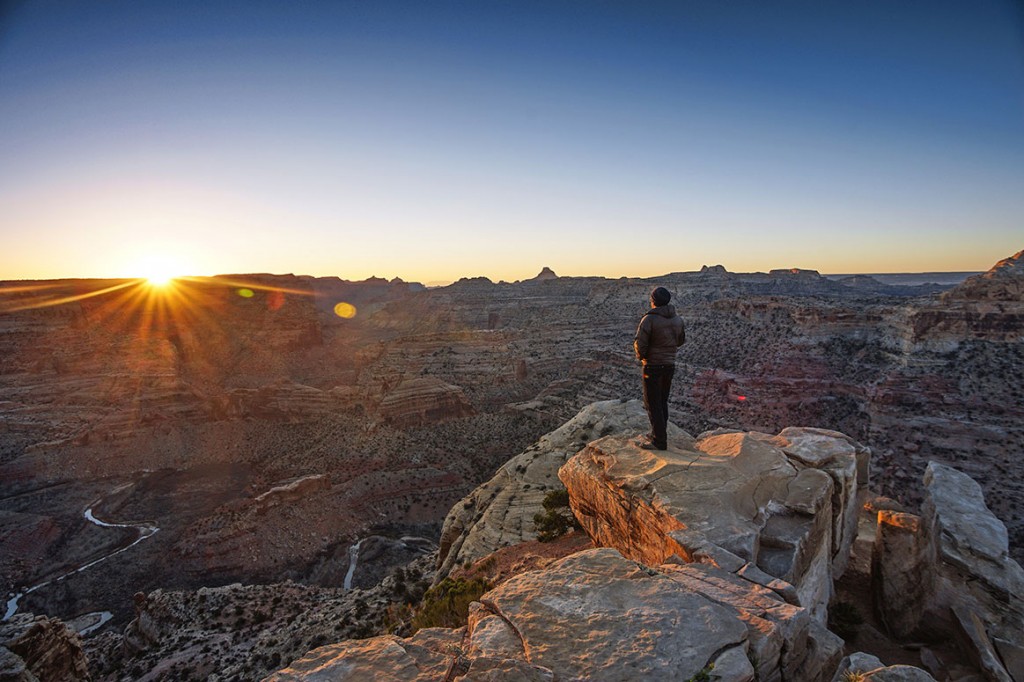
[[911, 279]]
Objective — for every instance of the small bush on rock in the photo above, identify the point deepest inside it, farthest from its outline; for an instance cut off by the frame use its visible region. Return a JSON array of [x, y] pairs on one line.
[[447, 604], [557, 518]]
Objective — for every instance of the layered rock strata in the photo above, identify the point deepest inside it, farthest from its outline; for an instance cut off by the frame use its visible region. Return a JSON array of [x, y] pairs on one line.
[[1004, 281], [424, 400]]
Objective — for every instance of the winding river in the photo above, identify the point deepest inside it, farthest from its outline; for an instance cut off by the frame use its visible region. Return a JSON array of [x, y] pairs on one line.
[[145, 530], [353, 559]]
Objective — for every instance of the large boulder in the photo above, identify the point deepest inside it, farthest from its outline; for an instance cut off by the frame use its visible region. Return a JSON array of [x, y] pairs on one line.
[[783, 639], [783, 504], [377, 658], [594, 615], [949, 570], [598, 616]]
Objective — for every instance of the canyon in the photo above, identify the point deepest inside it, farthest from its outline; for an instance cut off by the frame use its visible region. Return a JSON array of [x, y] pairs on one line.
[[265, 423]]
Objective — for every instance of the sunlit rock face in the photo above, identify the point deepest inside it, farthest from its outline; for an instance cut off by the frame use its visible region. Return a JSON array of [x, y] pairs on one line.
[[784, 504], [1003, 282]]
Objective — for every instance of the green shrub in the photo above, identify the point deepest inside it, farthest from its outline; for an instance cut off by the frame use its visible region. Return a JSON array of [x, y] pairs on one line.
[[557, 518], [447, 604]]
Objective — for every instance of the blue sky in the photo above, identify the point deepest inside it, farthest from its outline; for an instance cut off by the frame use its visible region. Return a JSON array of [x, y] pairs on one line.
[[438, 140]]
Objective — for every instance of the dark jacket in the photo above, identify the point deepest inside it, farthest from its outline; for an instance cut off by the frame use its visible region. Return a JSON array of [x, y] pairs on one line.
[[659, 334]]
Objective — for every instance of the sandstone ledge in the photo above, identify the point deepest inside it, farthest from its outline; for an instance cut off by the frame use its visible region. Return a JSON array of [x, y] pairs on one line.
[[784, 505]]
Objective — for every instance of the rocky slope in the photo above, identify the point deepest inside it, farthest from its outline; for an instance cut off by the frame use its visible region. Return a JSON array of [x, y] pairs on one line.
[[500, 512], [742, 532], [246, 631]]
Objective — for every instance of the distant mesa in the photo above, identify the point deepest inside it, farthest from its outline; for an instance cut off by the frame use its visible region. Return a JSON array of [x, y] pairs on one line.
[[797, 272], [714, 270], [861, 282], [545, 274], [474, 280]]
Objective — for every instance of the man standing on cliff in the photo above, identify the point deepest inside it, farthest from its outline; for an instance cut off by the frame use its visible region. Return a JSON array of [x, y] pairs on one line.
[[659, 335]]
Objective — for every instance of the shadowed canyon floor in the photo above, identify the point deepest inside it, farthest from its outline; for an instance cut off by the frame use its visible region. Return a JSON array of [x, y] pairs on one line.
[[264, 433]]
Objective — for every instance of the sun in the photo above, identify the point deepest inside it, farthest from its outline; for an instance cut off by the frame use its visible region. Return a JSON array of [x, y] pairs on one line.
[[159, 271]]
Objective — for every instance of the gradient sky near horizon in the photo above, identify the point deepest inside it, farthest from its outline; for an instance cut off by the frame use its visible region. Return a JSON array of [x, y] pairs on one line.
[[435, 140]]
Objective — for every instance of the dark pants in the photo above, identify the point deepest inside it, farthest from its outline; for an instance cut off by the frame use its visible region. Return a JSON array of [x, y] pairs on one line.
[[657, 384]]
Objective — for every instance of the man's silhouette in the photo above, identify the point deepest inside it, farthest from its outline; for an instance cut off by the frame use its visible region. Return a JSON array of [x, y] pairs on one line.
[[659, 335]]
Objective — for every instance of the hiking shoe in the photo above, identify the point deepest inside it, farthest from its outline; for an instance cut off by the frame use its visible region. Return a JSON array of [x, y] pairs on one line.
[[645, 443]]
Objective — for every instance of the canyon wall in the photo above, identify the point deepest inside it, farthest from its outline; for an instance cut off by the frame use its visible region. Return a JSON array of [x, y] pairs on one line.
[[182, 407]]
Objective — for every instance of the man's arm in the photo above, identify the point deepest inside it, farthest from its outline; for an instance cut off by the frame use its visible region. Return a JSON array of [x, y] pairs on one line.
[[642, 340], [682, 334]]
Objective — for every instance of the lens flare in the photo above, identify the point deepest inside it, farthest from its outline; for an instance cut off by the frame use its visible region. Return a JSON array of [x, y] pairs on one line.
[[246, 293], [345, 310]]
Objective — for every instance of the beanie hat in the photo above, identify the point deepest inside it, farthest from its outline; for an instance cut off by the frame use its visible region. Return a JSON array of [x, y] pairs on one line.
[[660, 296]]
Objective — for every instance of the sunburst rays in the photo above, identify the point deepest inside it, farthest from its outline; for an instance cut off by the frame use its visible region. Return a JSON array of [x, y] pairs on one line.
[[181, 301]]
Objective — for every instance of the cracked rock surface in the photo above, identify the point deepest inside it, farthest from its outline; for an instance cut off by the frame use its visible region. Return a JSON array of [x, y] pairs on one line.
[[594, 615]]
